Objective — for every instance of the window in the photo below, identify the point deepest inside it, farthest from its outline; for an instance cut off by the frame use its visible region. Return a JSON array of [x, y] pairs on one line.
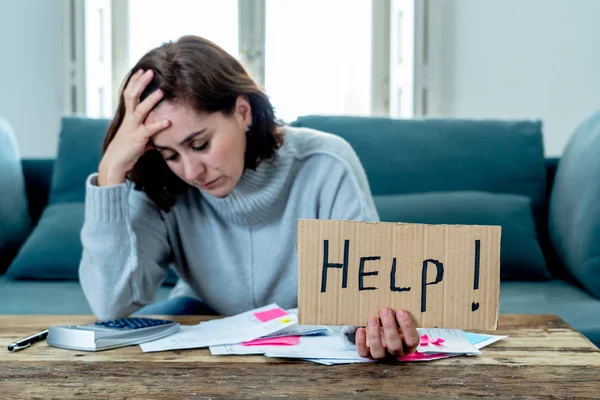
[[402, 59], [153, 22], [334, 57], [318, 62]]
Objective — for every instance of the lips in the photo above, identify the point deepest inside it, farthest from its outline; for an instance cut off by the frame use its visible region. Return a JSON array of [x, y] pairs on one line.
[[209, 184]]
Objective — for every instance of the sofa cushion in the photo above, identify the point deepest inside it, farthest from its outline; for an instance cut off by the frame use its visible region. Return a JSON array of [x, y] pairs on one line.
[[422, 155], [521, 257], [49, 297], [14, 215], [574, 214], [574, 305], [53, 250], [79, 153]]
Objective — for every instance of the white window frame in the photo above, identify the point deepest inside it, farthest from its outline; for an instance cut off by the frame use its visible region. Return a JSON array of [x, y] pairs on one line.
[[73, 57], [380, 48], [251, 34], [79, 60], [429, 26], [120, 46]]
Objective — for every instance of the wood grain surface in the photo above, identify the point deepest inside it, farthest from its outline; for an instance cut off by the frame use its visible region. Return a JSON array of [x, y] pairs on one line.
[[542, 358]]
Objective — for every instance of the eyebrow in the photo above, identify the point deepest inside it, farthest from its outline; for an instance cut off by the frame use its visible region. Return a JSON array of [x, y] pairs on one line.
[[184, 141]]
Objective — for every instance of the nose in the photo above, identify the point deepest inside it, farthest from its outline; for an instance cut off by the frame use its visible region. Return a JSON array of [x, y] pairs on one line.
[[192, 169]]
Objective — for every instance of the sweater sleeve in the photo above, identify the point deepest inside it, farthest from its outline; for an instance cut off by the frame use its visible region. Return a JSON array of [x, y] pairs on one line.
[[125, 250]]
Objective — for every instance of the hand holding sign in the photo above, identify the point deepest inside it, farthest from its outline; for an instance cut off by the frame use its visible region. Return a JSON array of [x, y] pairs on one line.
[[396, 335]]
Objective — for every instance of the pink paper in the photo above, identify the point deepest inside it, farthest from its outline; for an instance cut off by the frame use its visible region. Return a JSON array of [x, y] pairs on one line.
[[417, 356], [277, 341], [264, 316], [425, 341]]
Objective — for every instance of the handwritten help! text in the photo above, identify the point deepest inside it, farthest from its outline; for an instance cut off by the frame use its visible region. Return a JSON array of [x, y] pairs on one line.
[[444, 275]]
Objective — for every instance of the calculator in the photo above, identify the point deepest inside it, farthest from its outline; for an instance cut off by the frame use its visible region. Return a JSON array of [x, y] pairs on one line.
[[104, 335]]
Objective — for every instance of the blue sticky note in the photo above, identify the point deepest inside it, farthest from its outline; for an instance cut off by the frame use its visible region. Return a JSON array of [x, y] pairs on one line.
[[475, 338]]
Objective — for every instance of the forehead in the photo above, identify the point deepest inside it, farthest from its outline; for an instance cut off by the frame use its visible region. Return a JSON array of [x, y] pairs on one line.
[[175, 112], [184, 120]]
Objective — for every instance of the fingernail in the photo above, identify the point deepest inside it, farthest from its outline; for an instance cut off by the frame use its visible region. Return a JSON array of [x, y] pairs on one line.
[[373, 322], [401, 313], [384, 312]]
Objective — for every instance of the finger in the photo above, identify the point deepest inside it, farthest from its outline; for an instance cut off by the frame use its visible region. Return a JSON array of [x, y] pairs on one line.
[[382, 336], [393, 341], [133, 92], [361, 342], [135, 77], [152, 129], [409, 331], [377, 349], [142, 82], [128, 92], [144, 108]]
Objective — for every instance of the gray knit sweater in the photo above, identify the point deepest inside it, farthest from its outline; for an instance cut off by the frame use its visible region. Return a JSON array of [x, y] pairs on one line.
[[237, 252]]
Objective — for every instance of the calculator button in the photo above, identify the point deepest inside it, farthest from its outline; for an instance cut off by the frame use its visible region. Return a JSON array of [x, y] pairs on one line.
[[132, 323], [114, 325]]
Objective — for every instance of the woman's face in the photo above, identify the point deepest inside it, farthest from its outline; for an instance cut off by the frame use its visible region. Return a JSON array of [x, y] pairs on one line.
[[205, 150]]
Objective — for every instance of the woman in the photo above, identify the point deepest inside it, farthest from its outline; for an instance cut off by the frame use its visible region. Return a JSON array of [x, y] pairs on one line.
[[198, 172]]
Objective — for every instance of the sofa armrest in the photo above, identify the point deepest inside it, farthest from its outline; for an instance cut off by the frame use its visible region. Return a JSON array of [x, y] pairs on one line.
[[551, 166], [38, 179], [553, 261]]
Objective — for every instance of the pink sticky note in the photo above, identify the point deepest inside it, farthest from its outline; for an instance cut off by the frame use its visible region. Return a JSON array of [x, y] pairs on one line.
[[417, 356], [277, 341], [425, 341], [264, 316]]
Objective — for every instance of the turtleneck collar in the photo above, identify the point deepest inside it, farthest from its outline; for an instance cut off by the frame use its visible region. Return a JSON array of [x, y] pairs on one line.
[[253, 198]]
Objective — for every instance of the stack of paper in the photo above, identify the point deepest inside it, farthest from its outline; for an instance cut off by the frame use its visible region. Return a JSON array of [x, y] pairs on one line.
[[274, 332], [243, 327]]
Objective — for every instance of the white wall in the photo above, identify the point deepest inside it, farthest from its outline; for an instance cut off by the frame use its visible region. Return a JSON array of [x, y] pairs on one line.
[[500, 58], [535, 59], [31, 73]]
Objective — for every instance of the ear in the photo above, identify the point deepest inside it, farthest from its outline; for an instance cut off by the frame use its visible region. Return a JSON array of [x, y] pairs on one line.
[[243, 112]]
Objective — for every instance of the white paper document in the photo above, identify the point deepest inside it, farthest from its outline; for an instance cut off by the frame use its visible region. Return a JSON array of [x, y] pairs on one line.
[[335, 361], [325, 346], [300, 330], [453, 341], [337, 349], [236, 329], [480, 340], [334, 346]]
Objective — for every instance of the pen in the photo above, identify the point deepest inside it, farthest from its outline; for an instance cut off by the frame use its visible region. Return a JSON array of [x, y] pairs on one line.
[[28, 341]]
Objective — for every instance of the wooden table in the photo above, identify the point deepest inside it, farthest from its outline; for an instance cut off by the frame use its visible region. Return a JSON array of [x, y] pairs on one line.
[[543, 357]]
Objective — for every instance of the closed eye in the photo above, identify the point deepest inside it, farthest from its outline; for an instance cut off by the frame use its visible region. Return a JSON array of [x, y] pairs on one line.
[[194, 147], [172, 158], [200, 148]]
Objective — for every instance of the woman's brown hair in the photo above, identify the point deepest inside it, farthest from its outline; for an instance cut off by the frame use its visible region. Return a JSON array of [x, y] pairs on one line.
[[197, 72]]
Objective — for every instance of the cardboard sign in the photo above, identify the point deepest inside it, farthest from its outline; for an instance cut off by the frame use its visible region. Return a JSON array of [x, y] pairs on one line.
[[446, 276]]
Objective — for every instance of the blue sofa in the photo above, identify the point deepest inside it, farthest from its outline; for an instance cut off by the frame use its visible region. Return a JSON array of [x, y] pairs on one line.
[[430, 171]]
